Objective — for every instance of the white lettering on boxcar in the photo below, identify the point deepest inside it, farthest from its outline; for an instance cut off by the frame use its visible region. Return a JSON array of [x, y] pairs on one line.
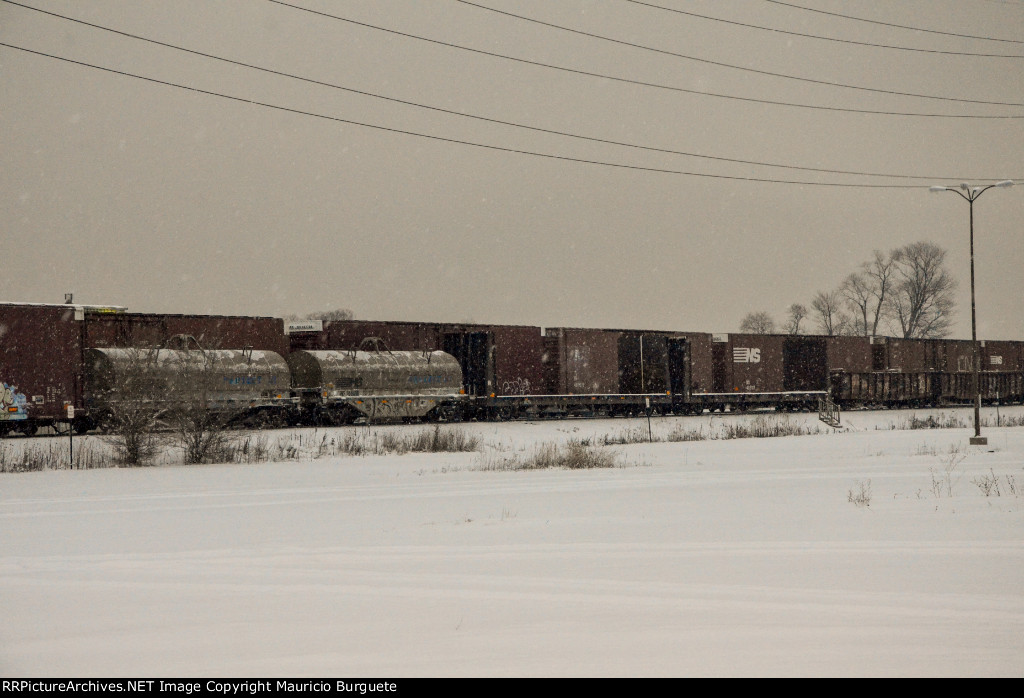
[[746, 355]]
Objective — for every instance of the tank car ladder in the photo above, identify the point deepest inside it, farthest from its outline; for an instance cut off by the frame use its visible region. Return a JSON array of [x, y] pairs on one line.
[[828, 412]]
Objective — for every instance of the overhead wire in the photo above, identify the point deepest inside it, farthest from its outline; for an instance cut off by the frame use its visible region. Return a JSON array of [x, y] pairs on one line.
[[895, 26], [819, 37], [722, 64], [502, 122], [443, 139], [639, 83]]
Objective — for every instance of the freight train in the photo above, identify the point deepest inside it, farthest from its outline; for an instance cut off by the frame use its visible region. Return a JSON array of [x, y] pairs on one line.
[[60, 365]]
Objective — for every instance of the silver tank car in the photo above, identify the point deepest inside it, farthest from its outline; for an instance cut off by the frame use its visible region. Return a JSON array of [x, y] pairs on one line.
[[379, 385], [226, 379]]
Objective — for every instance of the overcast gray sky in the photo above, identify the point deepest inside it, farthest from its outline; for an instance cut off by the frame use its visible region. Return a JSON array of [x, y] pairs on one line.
[[356, 161]]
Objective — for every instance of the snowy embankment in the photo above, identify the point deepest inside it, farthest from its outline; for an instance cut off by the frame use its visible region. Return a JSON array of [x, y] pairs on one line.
[[706, 557]]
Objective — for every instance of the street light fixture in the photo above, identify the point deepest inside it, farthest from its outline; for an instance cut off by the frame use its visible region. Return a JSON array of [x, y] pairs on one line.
[[970, 194]]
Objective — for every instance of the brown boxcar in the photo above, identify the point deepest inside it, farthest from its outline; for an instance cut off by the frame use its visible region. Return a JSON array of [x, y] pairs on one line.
[[759, 369], [761, 363], [620, 362], [849, 354], [208, 331], [747, 363], [909, 355], [349, 335], [42, 349], [701, 363], [623, 371], [581, 361]]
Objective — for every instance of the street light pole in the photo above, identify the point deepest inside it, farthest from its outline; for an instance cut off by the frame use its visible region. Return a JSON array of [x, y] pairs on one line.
[[970, 195]]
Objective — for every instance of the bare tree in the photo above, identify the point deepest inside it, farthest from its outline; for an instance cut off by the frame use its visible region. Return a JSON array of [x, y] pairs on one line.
[[336, 314], [827, 307], [867, 292], [129, 393], [856, 292], [759, 322], [922, 301], [794, 316], [198, 423], [145, 398]]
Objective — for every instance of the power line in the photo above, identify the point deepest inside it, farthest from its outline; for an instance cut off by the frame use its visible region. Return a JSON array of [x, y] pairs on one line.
[[896, 26], [639, 83], [442, 139], [484, 118], [822, 38], [729, 65]]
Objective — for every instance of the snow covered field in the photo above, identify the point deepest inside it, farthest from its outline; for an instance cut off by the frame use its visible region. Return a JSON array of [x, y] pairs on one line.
[[698, 558]]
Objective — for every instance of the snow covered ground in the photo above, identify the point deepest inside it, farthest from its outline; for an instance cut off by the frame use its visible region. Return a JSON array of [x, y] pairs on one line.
[[699, 558]]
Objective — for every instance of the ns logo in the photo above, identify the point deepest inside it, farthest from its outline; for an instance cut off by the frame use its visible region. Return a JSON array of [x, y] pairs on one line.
[[746, 355]]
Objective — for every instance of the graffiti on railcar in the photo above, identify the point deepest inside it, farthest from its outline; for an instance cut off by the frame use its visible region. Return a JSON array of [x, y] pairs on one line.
[[13, 405], [516, 386]]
